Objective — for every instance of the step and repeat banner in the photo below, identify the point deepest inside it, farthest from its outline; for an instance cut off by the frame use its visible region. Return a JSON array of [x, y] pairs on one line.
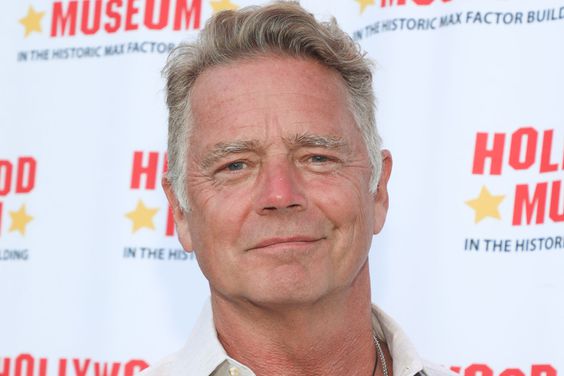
[[470, 103]]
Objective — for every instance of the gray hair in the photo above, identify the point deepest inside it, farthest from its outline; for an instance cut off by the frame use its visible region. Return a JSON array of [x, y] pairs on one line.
[[282, 28]]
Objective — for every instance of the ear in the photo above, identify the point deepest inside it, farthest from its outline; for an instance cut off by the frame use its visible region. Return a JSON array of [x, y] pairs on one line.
[[381, 201], [180, 216]]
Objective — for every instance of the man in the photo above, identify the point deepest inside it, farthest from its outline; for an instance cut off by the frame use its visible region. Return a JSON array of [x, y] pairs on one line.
[[277, 183]]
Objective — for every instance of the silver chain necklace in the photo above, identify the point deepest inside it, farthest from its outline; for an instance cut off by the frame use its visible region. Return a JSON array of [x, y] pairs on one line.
[[381, 356]]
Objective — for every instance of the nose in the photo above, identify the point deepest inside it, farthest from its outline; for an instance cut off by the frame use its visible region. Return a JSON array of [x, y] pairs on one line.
[[279, 189]]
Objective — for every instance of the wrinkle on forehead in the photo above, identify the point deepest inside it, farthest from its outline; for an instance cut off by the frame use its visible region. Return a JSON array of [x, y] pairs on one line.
[[268, 109]]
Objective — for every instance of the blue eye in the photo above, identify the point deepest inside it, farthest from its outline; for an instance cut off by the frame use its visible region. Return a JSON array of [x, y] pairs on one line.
[[236, 166], [319, 159]]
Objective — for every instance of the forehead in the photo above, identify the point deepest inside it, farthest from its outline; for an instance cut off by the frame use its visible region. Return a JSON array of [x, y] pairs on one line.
[[268, 96]]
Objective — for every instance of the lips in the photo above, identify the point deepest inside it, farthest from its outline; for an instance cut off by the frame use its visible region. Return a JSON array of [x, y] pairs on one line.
[[293, 241]]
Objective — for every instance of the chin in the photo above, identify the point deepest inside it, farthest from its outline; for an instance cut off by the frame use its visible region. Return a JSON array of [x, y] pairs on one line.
[[284, 300], [287, 289]]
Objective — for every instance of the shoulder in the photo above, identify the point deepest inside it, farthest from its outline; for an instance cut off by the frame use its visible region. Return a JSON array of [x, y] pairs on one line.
[[432, 369]]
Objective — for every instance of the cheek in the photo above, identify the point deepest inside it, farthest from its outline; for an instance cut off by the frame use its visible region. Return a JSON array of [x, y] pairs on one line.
[[215, 223], [345, 200], [216, 217], [350, 209]]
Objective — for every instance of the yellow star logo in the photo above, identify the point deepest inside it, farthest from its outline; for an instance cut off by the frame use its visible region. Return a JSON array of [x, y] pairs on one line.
[[20, 219], [32, 21], [485, 205], [219, 5], [142, 216], [363, 4]]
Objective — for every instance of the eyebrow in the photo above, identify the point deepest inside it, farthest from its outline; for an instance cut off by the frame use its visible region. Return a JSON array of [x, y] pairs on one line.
[[317, 141], [223, 149]]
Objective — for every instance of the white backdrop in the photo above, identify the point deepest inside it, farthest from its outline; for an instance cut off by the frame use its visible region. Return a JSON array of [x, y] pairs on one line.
[[470, 102]]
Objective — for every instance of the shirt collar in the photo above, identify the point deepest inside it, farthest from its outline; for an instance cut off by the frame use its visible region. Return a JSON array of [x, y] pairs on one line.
[[406, 361], [203, 353]]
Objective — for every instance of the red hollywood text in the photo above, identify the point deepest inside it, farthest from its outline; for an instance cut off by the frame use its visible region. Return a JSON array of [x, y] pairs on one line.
[[16, 177], [147, 168], [28, 365], [526, 149]]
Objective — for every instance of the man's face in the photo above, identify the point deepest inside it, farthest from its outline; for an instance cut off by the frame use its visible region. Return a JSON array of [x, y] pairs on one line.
[[278, 181]]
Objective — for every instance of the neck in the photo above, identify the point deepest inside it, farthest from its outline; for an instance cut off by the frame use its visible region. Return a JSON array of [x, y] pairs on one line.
[[330, 336]]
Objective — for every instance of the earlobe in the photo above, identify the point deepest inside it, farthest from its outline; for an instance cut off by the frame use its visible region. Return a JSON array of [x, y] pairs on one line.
[[180, 219], [381, 199]]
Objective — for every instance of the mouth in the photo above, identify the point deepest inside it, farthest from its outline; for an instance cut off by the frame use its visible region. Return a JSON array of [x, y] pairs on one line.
[[284, 243]]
